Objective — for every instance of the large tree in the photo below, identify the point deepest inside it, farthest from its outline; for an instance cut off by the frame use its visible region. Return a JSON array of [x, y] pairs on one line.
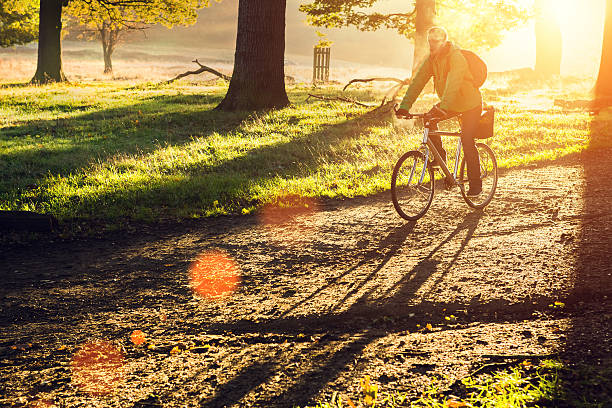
[[603, 87], [111, 24], [49, 68], [471, 23], [258, 80], [49, 65], [18, 22]]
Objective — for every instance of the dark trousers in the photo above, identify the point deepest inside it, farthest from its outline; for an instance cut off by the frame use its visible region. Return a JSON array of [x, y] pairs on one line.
[[469, 126]]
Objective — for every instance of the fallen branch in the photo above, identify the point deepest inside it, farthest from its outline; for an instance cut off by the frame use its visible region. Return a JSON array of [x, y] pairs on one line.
[[518, 356], [457, 384], [383, 109], [391, 93], [337, 98], [488, 367], [352, 81], [203, 68]]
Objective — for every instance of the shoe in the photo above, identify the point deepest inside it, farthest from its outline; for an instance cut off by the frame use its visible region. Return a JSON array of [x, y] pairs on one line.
[[475, 189]]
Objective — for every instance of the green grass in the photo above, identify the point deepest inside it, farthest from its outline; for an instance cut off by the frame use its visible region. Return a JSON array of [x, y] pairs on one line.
[[549, 384], [108, 153]]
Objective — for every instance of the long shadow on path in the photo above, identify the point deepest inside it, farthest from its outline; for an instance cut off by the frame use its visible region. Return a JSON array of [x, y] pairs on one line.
[[332, 360]]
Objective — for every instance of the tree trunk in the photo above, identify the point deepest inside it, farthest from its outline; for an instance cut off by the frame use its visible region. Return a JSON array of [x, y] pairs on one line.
[[108, 37], [603, 87], [49, 68], [258, 80], [548, 41], [424, 20]]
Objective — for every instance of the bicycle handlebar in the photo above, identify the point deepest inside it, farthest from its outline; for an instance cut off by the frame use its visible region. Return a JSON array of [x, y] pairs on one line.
[[424, 116]]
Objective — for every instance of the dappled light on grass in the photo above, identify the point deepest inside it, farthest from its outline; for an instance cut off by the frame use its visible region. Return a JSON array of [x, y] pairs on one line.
[[214, 275], [97, 367]]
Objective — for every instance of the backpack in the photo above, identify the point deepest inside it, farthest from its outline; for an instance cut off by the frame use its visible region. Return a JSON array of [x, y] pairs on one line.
[[478, 67]]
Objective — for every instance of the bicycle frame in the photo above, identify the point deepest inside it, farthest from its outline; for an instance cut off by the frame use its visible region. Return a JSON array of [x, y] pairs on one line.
[[428, 145]]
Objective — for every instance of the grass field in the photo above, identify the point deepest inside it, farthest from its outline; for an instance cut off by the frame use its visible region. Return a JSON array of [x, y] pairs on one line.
[[111, 152], [549, 383]]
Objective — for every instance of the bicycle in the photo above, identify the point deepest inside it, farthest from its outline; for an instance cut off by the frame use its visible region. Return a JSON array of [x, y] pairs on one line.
[[413, 179]]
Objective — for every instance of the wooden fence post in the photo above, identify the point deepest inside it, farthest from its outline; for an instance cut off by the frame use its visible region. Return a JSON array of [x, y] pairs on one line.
[[320, 64]]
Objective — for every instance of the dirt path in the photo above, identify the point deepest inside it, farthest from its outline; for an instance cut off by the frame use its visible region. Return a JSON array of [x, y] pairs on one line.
[[326, 297]]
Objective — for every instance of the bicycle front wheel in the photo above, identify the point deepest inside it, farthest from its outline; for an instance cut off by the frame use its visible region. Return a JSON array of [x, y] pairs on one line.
[[488, 175], [412, 186]]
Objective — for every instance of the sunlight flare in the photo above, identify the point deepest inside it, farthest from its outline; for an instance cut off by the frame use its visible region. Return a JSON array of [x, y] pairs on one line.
[[214, 274]]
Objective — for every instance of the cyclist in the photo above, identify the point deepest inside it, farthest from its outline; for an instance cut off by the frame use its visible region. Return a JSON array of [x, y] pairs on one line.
[[454, 85]]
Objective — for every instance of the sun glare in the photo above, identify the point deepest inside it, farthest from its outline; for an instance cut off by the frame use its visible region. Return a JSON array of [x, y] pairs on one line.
[[214, 274], [563, 10], [580, 22]]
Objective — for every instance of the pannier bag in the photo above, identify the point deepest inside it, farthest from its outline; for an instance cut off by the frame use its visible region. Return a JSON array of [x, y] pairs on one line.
[[485, 125]]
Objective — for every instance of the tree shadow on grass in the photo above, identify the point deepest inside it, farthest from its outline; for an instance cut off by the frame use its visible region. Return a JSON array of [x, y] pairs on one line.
[[140, 130], [65, 146], [193, 187]]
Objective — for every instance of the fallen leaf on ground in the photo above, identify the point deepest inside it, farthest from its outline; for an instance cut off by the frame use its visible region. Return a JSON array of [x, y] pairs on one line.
[[455, 404], [138, 337]]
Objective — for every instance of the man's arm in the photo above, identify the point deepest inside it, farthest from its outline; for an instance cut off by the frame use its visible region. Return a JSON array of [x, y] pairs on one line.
[[416, 86], [457, 72]]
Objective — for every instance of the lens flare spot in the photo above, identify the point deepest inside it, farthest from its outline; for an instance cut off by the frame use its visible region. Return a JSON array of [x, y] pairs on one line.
[[138, 337], [214, 274], [97, 367]]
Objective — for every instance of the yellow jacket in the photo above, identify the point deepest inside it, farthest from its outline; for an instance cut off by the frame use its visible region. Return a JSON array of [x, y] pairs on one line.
[[453, 81]]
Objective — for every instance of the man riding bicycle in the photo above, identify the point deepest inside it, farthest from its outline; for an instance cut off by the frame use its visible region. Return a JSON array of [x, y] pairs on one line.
[[459, 96]]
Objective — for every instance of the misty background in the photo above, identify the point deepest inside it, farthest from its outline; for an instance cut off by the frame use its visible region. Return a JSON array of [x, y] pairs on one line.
[[161, 52]]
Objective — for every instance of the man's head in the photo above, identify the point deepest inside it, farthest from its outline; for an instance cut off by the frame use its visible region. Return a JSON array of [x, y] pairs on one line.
[[437, 37]]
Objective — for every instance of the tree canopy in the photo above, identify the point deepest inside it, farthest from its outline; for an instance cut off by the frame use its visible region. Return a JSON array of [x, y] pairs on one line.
[[471, 23], [49, 67], [18, 22], [126, 14], [109, 23]]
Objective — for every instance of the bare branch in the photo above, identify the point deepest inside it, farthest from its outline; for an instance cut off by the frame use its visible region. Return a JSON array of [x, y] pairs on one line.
[[374, 79], [203, 68], [519, 356], [338, 98]]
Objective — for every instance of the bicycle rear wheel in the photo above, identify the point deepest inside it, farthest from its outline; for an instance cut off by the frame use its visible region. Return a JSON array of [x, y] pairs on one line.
[[412, 186], [488, 175]]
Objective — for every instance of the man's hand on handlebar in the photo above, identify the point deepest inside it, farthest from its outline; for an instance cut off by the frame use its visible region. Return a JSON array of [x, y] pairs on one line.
[[402, 114]]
